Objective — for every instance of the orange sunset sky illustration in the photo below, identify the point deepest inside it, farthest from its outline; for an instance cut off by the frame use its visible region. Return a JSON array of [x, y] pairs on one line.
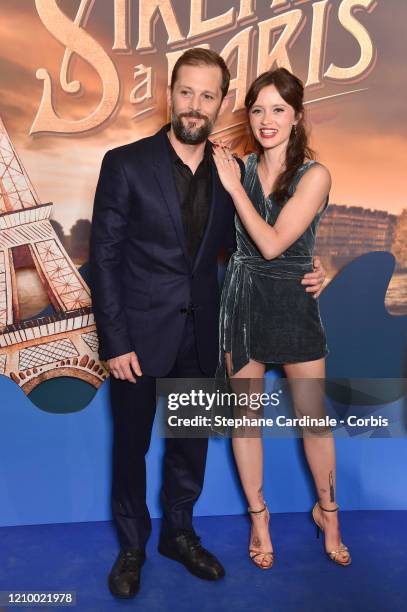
[[361, 137]]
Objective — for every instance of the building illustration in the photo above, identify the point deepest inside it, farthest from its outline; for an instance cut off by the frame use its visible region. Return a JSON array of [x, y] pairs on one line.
[[349, 231], [63, 343]]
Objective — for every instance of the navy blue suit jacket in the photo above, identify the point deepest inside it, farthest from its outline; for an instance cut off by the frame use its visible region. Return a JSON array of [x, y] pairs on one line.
[[141, 277]]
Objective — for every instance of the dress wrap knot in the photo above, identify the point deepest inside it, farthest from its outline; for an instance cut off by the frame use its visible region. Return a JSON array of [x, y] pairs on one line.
[[236, 299]]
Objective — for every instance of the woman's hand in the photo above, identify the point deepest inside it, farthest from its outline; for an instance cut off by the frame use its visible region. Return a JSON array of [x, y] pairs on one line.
[[228, 168]]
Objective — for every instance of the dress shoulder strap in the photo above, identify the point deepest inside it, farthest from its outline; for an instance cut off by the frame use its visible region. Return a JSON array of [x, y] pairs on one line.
[[251, 163], [250, 171], [300, 173]]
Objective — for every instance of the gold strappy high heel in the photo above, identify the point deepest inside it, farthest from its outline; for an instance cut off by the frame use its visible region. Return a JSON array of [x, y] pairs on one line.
[[333, 554], [255, 552]]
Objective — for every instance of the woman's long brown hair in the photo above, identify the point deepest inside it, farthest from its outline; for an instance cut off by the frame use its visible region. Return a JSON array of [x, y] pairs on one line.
[[291, 90]]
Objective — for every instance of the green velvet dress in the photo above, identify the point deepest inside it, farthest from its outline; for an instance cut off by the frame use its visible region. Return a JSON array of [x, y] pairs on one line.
[[266, 314]]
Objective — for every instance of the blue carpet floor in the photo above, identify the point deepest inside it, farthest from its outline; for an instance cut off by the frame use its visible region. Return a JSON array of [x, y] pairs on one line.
[[78, 556]]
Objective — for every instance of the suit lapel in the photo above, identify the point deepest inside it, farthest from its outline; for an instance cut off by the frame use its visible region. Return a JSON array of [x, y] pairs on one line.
[[165, 179]]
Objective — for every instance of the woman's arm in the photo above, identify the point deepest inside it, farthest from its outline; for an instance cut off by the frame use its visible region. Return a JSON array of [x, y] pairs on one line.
[[295, 217]]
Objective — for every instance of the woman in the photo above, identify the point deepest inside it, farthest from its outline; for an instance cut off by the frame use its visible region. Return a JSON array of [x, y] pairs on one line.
[[266, 317]]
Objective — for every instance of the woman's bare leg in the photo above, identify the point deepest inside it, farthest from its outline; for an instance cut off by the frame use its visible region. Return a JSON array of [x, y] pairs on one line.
[[248, 453], [319, 448]]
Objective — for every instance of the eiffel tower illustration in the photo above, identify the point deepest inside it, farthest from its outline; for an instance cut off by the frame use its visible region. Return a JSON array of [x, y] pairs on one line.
[[64, 343]]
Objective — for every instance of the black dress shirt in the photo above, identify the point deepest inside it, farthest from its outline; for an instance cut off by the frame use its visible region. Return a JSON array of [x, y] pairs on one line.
[[194, 191]]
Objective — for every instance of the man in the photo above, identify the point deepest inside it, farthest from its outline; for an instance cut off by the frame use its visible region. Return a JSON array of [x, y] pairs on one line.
[[160, 218]]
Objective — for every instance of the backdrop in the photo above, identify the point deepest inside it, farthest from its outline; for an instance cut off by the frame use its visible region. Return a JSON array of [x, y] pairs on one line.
[[80, 77]]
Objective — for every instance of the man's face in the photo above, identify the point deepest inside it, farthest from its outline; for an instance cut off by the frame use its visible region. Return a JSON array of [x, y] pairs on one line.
[[195, 102]]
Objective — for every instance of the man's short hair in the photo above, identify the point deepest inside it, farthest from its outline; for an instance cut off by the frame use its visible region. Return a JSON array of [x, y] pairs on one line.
[[199, 57]]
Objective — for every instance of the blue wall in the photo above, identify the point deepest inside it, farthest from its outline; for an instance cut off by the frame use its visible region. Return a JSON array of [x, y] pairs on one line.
[[56, 467]]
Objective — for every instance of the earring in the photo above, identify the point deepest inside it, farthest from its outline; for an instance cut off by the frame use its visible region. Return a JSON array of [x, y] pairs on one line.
[[295, 129]]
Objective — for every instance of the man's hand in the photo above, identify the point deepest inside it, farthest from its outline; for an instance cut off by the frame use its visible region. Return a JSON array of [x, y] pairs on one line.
[[315, 280], [123, 367]]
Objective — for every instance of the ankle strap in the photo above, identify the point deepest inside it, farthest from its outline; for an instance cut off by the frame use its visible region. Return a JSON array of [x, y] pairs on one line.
[[328, 509], [257, 511]]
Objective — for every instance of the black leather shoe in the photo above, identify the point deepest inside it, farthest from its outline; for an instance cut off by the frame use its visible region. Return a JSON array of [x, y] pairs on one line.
[[185, 548], [124, 579]]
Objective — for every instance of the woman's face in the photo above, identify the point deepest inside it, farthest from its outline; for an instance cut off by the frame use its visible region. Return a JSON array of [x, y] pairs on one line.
[[271, 119]]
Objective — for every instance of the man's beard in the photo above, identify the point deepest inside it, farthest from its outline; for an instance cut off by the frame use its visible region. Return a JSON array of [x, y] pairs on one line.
[[191, 136]]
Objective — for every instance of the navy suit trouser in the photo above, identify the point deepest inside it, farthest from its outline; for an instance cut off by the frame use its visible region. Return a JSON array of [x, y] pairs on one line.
[[133, 408]]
